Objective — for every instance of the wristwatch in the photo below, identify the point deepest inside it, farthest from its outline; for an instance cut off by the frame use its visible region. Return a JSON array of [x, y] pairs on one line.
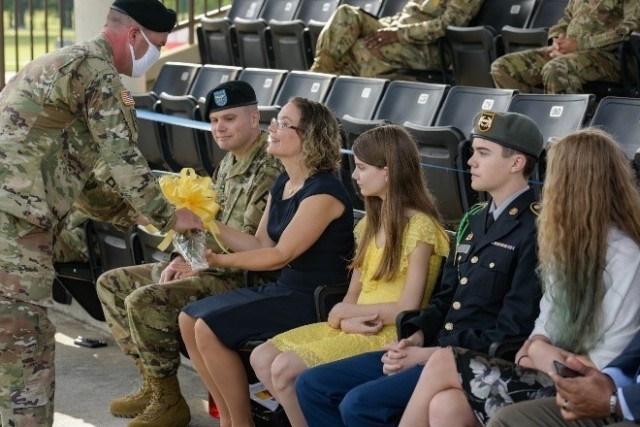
[[613, 405]]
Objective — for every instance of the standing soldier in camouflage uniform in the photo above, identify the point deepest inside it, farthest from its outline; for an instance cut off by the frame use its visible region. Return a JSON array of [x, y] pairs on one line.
[[355, 43], [58, 116], [583, 49], [142, 303]]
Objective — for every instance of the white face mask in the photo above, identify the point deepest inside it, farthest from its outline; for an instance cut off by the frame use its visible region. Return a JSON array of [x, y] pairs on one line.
[[142, 65]]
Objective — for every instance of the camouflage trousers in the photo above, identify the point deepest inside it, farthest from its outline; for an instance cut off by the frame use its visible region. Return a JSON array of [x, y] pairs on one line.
[[27, 348], [343, 39], [27, 370], [143, 314], [565, 74]]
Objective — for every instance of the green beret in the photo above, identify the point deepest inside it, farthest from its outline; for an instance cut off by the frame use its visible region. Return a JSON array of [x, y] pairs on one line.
[[151, 14], [512, 130], [231, 94]]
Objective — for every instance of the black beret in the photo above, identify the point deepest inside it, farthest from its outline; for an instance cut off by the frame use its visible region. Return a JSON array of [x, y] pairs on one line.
[[151, 14], [512, 130], [231, 94]]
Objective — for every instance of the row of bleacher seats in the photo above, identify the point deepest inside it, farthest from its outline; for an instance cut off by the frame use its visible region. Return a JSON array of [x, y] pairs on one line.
[[283, 35], [439, 116], [274, 34]]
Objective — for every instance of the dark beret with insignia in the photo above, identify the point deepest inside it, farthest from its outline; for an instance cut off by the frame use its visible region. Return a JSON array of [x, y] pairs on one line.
[[151, 14], [512, 130], [231, 94]]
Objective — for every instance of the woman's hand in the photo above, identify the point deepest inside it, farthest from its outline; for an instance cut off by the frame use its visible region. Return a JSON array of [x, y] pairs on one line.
[[365, 325], [335, 316], [178, 268], [213, 259]]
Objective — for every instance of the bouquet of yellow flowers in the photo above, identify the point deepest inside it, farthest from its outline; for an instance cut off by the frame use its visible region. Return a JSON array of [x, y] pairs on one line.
[[196, 193]]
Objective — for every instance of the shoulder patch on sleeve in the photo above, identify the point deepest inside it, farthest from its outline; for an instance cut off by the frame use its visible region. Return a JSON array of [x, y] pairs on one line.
[[126, 97]]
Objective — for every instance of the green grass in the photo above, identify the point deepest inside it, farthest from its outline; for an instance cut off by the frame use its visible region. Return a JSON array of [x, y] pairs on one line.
[[25, 42], [24, 51]]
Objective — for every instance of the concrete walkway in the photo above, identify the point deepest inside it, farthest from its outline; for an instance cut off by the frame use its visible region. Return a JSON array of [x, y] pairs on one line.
[[87, 379]]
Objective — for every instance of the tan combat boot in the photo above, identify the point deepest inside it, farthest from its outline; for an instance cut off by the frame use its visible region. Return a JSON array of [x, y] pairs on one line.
[[133, 404], [167, 408], [324, 63]]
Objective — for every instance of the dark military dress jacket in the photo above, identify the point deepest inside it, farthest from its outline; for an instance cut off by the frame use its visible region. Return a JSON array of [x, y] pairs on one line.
[[490, 290]]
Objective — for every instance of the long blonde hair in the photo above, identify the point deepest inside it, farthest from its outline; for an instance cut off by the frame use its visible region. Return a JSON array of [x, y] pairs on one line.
[[589, 188], [392, 147]]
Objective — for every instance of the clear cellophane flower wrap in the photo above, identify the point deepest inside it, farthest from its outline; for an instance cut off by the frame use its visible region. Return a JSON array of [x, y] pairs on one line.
[[196, 193]]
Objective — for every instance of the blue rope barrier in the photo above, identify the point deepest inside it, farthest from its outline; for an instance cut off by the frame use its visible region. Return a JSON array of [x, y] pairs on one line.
[[204, 126]]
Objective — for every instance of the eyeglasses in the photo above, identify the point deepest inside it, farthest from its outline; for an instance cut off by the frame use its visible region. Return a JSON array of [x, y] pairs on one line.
[[281, 125]]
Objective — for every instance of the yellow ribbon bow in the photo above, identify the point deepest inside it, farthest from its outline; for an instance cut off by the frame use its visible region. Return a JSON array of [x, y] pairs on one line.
[[194, 192]]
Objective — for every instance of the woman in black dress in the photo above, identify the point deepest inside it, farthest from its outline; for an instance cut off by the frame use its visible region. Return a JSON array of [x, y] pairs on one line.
[[306, 230]]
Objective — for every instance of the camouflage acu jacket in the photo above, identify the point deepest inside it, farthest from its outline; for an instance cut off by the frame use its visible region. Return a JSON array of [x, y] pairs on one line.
[[598, 24], [243, 186], [58, 116], [425, 21]]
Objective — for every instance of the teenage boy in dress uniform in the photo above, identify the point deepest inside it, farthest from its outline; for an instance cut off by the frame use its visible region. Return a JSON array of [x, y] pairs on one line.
[[490, 290]]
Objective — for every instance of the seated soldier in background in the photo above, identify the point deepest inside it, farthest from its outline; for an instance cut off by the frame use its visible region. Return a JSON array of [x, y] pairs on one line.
[[583, 49], [354, 42], [142, 303]]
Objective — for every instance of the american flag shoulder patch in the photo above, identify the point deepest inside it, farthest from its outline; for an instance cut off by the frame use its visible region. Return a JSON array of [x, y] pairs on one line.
[[126, 97]]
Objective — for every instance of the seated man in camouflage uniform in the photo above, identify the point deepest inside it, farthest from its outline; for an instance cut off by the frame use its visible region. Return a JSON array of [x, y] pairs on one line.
[[355, 43], [142, 303], [584, 46]]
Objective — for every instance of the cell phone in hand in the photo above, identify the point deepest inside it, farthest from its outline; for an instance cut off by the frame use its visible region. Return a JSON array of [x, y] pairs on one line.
[[564, 371], [89, 342]]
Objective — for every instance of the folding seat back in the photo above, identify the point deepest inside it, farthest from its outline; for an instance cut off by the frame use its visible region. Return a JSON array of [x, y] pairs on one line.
[[391, 7], [414, 102], [621, 118], [211, 76], [547, 14], [354, 97], [252, 34], [292, 43], [265, 82], [115, 245], [463, 103], [633, 84], [306, 84], [217, 35], [149, 247], [316, 23], [439, 152], [185, 143], [175, 78], [152, 138], [555, 115], [474, 48], [371, 6], [402, 102], [78, 279]]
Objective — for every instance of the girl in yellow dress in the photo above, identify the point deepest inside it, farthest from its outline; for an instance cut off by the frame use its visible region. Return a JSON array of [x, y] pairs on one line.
[[401, 245]]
